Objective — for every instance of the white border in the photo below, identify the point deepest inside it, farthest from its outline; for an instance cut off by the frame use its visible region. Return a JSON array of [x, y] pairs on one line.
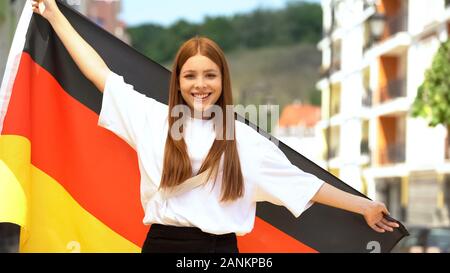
[[12, 65]]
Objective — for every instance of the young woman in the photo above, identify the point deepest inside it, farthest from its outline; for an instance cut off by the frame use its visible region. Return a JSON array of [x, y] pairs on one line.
[[199, 188]]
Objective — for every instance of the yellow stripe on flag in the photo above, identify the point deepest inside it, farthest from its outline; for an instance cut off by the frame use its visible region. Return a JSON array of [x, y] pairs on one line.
[[12, 198], [56, 222]]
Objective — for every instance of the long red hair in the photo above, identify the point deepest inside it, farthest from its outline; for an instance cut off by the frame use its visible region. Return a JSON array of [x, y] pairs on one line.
[[177, 165]]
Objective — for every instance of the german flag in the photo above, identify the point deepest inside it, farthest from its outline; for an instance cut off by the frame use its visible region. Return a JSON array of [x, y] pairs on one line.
[[74, 186]]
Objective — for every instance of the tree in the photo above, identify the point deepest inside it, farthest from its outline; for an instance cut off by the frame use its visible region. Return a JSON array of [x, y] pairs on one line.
[[221, 31], [433, 98]]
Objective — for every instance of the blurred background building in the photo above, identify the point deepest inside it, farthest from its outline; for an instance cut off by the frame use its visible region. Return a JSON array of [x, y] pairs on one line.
[[297, 127], [375, 54], [105, 13]]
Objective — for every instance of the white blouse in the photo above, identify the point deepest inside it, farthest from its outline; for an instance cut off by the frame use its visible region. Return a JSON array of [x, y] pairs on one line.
[[268, 174]]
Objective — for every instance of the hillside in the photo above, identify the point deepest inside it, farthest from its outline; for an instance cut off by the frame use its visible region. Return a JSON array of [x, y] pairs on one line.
[[278, 75]]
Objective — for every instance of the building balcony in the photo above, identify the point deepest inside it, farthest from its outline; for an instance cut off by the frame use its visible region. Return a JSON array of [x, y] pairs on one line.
[[392, 154], [396, 23], [447, 144], [334, 152], [393, 89], [367, 99], [335, 109], [336, 66], [365, 150], [368, 43]]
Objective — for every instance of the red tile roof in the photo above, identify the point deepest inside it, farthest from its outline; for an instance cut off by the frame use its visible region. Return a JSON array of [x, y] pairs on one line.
[[299, 114]]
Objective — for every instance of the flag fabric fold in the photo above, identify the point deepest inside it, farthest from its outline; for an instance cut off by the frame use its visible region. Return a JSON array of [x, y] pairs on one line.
[[74, 187]]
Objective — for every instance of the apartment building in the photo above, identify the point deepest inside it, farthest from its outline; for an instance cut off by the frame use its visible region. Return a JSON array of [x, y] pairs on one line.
[[370, 79], [105, 13]]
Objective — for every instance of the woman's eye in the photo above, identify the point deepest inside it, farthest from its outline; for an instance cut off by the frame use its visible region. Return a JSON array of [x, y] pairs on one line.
[[189, 76], [210, 76]]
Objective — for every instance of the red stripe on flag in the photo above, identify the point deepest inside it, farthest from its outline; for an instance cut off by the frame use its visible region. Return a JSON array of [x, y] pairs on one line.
[[265, 238], [99, 170]]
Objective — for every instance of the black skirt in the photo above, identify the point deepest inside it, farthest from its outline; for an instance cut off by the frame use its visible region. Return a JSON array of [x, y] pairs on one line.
[[171, 239]]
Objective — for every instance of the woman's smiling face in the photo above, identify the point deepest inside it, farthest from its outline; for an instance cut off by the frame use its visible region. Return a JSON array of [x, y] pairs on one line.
[[200, 83]]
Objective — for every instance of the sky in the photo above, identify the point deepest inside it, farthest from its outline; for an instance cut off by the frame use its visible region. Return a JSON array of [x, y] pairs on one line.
[[166, 12]]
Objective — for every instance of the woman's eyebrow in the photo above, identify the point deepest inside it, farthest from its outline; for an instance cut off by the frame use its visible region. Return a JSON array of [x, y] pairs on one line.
[[206, 71], [189, 71], [210, 70]]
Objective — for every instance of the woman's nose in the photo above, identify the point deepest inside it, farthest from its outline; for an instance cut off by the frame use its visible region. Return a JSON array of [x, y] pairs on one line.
[[200, 83]]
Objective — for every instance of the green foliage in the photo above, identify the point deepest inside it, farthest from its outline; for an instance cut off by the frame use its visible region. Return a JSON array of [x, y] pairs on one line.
[[4, 7], [219, 29], [315, 97], [299, 22], [433, 98]]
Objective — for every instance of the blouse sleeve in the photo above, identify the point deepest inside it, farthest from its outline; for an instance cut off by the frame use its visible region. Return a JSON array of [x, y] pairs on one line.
[[282, 183], [124, 109]]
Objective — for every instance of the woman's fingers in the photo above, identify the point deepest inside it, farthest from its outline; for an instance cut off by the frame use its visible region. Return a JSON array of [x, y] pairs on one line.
[[376, 228], [385, 210], [384, 226], [35, 6], [390, 223]]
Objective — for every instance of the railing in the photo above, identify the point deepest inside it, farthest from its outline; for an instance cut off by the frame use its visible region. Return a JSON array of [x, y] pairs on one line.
[[326, 33], [393, 89], [335, 66], [447, 143], [367, 98], [335, 109], [368, 43], [365, 150], [334, 152], [447, 151], [397, 23], [325, 71], [393, 153]]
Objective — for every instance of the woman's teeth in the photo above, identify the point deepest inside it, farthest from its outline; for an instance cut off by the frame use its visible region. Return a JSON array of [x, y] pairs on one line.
[[201, 96]]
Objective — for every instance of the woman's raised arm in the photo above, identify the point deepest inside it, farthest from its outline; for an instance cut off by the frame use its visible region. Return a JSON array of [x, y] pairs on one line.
[[86, 58]]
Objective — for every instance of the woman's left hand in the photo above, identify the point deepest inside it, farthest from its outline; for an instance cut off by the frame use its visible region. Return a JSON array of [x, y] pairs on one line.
[[374, 214]]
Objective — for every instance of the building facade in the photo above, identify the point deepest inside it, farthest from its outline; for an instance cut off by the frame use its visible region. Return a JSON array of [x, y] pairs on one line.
[[369, 83], [297, 128], [104, 13]]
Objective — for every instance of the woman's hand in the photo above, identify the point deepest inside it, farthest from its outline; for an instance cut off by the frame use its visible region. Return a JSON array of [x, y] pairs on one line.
[[87, 59], [45, 8], [374, 213]]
